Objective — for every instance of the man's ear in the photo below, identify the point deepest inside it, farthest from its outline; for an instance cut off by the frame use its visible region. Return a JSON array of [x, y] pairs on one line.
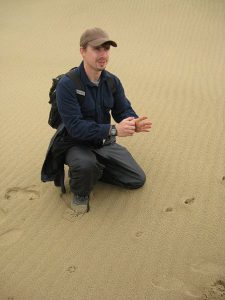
[[82, 51]]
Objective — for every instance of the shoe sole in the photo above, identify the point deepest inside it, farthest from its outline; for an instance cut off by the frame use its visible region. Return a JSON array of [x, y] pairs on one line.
[[80, 209]]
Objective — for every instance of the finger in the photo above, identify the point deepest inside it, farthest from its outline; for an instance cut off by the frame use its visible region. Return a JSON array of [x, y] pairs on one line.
[[129, 123], [147, 122], [140, 119], [129, 119], [143, 124], [147, 126], [130, 127], [132, 122]]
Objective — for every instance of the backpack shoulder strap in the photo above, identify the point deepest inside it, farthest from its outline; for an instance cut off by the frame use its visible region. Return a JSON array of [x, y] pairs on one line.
[[111, 84], [80, 90]]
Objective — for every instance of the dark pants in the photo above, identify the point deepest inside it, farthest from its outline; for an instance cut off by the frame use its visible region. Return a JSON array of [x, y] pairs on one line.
[[110, 163]]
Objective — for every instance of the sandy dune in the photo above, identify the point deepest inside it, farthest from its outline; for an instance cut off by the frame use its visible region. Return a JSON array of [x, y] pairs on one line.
[[165, 241]]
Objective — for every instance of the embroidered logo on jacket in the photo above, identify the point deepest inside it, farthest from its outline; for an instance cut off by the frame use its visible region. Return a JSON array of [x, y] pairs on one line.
[[79, 92]]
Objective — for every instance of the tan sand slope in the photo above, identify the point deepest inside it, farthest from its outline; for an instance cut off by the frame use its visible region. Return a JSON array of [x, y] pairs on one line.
[[165, 241]]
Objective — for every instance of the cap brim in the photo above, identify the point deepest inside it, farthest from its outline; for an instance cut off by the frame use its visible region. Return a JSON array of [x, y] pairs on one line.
[[102, 41]]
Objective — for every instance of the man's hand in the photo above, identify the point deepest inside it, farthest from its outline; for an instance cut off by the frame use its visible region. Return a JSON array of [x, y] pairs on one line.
[[142, 124], [126, 127]]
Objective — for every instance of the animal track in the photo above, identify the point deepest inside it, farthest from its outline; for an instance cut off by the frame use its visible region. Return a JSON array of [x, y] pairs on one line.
[[189, 200], [30, 192], [215, 292], [223, 180], [138, 233], [71, 269], [10, 236], [168, 209]]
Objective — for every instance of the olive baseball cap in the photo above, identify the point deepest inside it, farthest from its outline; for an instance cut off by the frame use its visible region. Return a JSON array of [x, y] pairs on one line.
[[95, 37]]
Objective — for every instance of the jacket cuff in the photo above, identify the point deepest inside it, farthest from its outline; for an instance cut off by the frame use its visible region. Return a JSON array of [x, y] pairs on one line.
[[105, 130]]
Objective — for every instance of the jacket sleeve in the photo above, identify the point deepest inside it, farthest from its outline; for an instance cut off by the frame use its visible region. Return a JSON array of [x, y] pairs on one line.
[[70, 112], [122, 108]]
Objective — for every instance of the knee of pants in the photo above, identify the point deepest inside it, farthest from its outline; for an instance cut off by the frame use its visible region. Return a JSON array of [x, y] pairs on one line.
[[139, 181], [86, 166]]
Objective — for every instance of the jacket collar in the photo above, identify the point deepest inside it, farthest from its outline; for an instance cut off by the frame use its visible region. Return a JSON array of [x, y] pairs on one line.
[[85, 78]]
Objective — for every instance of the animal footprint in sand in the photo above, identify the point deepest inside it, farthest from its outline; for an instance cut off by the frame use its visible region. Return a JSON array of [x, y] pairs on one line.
[[215, 292], [139, 233], [71, 269], [29, 192], [169, 209], [189, 201]]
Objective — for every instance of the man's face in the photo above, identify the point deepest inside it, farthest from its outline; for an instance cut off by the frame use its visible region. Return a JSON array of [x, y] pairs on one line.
[[96, 57]]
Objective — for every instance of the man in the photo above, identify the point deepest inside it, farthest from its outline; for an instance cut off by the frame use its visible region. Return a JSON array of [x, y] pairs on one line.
[[93, 153]]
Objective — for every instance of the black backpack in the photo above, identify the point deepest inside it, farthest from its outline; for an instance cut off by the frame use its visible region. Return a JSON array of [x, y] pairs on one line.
[[54, 119]]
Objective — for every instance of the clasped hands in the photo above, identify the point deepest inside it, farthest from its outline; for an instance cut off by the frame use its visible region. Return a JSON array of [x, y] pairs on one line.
[[130, 125]]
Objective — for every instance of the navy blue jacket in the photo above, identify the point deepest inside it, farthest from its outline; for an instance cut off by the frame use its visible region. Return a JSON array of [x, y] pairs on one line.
[[83, 123], [90, 121]]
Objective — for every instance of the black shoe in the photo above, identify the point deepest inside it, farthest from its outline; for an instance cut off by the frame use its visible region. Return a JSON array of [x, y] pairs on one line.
[[80, 204]]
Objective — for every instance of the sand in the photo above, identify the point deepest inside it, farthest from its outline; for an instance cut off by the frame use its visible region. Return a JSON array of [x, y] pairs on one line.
[[164, 241]]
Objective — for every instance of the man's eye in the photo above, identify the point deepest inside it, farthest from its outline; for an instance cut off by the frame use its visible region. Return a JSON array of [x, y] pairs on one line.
[[99, 48]]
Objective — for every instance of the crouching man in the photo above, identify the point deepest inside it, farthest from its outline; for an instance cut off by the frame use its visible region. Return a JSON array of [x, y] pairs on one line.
[[89, 143]]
